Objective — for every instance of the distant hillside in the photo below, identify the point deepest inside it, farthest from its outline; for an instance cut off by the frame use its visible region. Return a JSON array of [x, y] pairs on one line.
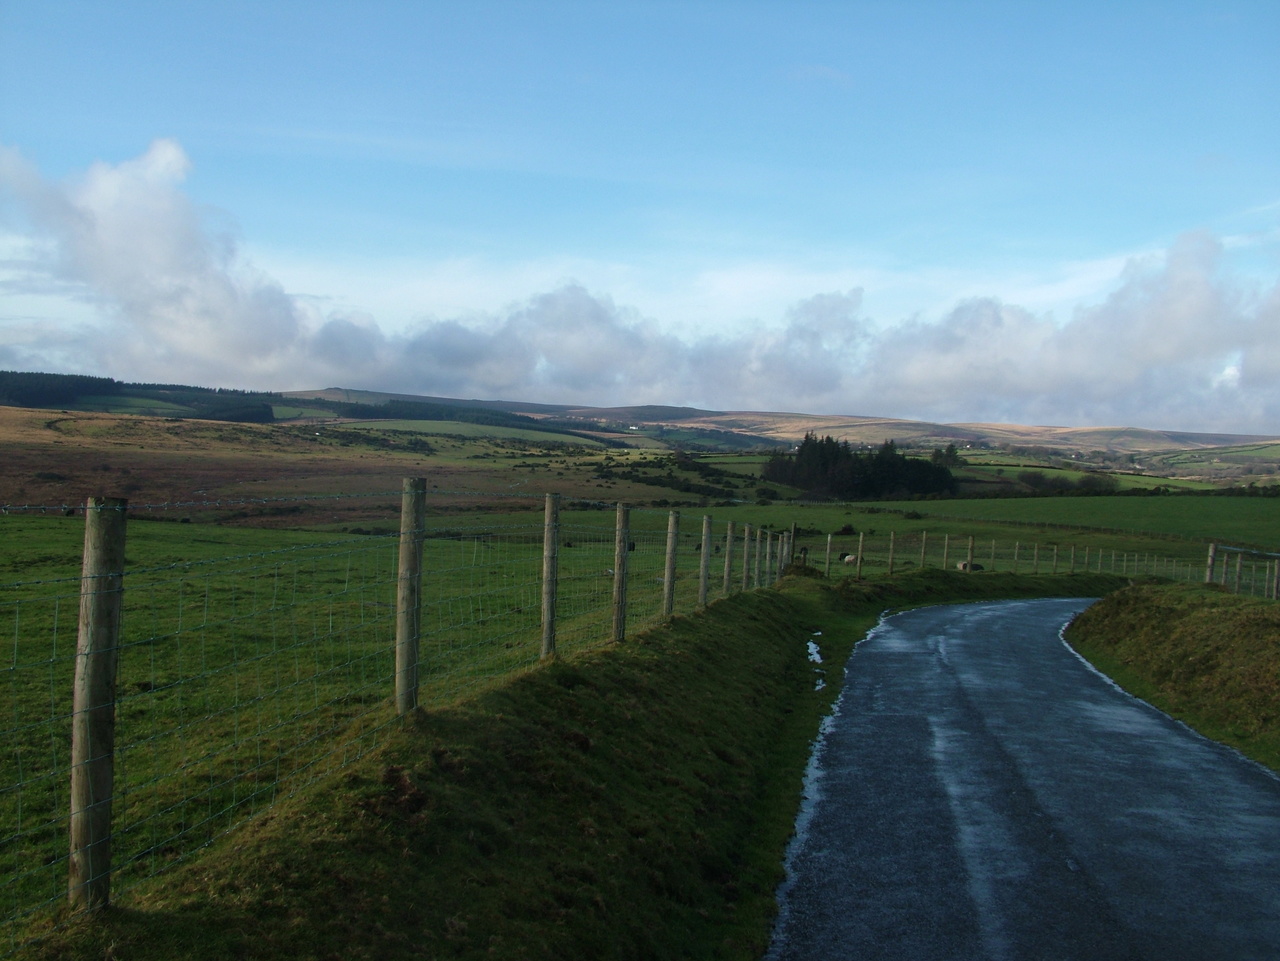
[[1211, 456], [1216, 458]]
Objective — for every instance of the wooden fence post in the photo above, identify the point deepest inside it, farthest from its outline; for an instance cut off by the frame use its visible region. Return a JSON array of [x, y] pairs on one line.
[[704, 564], [969, 561], [946, 544], [891, 552], [669, 577], [924, 540], [827, 570], [746, 556], [728, 559], [768, 558], [858, 571], [755, 572], [1208, 564], [413, 519], [621, 550], [93, 711], [550, 562]]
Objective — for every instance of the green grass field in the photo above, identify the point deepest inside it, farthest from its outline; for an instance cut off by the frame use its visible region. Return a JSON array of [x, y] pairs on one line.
[[253, 662], [456, 429], [1242, 521]]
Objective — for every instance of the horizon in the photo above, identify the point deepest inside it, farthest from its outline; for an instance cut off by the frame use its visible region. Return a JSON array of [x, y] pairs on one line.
[[513, 405], [960, 214]]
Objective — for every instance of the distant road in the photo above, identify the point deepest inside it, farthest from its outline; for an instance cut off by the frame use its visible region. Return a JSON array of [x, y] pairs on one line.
[[983, 794]]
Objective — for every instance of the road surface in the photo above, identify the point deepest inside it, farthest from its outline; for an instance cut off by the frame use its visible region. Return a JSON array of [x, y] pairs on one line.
[[981, 793]]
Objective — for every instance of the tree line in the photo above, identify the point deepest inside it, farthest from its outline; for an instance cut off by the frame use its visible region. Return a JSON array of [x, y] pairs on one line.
[[829, 468]]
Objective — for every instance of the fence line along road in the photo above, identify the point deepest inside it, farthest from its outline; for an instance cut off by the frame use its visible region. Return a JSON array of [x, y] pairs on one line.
[[194, 693]]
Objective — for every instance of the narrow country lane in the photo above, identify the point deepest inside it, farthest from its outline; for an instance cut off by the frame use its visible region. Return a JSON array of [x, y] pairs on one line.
[[981, 793]]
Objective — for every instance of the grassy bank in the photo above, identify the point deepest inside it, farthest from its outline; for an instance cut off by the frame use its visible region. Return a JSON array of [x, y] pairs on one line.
[[629, 802], [1206, 657]]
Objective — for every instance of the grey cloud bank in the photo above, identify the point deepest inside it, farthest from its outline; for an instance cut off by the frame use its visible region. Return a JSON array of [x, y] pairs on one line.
[[1178, 344]]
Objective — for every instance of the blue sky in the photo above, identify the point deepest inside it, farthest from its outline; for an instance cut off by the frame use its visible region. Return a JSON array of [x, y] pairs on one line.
[[1060, 213]]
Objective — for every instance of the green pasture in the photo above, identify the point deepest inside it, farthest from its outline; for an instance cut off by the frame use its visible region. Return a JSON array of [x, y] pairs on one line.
[[122, 404], [286, 412], [253, 662], [454, 429], [1239, 521], [1264, 456], [1002, 471]]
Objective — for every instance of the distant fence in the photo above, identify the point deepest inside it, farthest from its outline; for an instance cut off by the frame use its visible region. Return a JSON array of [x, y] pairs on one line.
[[151, 709], [1240, 570]]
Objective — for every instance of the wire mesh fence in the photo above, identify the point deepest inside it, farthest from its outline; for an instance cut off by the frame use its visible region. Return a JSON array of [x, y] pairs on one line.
[[240, 678], [243, 676], [1240, 570]]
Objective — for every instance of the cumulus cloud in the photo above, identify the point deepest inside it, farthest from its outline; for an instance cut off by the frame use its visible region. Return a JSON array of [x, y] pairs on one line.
[[164, 292]]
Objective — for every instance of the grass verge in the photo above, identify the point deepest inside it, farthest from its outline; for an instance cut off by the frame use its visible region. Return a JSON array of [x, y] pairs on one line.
[[1206, 657], [630, 802]]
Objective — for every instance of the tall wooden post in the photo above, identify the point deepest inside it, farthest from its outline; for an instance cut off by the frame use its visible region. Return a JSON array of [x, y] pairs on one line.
[[858, 570], [768, 558], [826, 571], [621, 551], [1208, 565], [550, 564], [969, 560], [413, 521], [755, 568], [93, 711], [728, 558], [704, 565], [891, 552], [669, 578], [946, 546], [924, 540], [746, 556]]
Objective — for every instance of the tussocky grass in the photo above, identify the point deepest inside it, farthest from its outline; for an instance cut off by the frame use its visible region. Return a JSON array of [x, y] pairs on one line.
[[1206, 657]]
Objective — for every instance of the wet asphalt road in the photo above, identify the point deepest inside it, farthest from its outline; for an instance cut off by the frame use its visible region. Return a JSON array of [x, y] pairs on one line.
[[982, 793]]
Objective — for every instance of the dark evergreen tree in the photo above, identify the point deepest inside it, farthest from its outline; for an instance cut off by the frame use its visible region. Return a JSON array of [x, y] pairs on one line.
[[829, 468]]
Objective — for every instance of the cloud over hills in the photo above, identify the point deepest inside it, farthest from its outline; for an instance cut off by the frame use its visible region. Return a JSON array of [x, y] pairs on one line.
[[163, 292]]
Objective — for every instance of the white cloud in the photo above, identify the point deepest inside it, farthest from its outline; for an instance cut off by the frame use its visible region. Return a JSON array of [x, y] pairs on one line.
[[155, 289]]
